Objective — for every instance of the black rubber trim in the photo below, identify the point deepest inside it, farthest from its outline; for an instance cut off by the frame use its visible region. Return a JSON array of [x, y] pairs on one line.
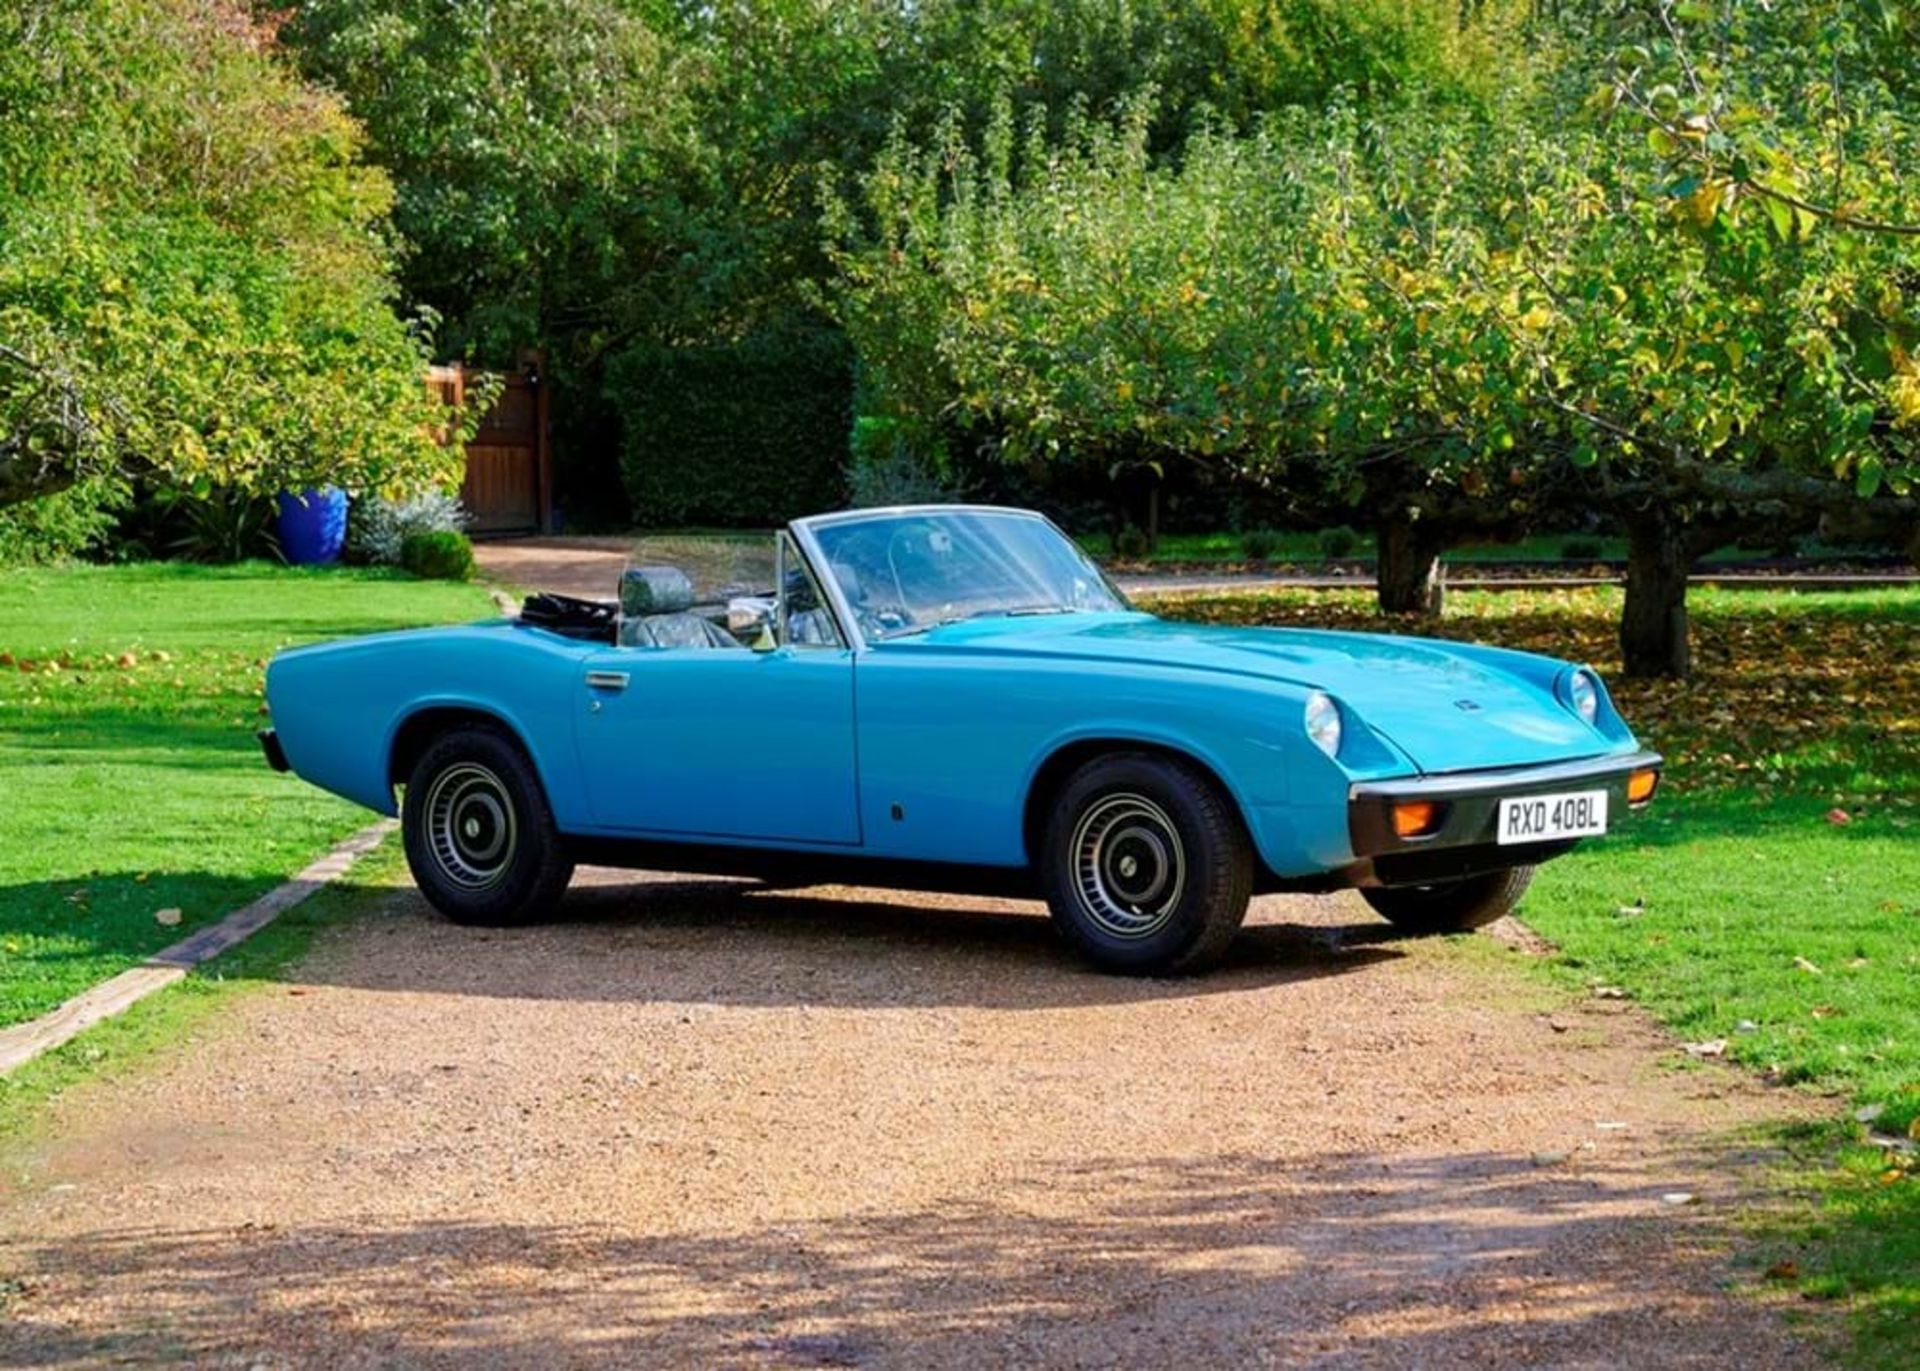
[[1472, 799], [270, 744]]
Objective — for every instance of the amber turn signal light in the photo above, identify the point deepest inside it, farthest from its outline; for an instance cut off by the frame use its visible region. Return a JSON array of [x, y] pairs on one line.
[[1415, 818], [1641, 785]]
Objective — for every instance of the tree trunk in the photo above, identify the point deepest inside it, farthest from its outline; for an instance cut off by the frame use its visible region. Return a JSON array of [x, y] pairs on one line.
[[1407, 571], [1653, 626]]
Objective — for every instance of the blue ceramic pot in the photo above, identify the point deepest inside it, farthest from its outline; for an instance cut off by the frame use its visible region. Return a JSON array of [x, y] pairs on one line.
[[312, 525]]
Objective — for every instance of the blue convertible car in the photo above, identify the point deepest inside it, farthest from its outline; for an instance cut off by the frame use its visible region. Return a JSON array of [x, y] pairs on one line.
[[954, 697]]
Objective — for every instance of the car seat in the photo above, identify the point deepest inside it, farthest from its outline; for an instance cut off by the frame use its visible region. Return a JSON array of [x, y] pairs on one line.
[[656, 610]]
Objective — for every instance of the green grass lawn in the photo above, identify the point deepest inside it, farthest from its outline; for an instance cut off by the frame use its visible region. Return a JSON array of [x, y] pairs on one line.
[[130, 781], [1771, 897]]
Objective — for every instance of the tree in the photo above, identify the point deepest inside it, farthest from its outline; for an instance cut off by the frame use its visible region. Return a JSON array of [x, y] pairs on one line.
[[1069, 302], [193, 286], [619, 179], [1720, 350], [1283, 309]]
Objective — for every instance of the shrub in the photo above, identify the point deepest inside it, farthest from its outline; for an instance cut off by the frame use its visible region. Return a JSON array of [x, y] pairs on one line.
[[739, 436], [1580, 549], [1338, 542], [886, 470], [1258, 544], [378, 528], [217, 525], [52, 528], [1132, 543], [445, 555]]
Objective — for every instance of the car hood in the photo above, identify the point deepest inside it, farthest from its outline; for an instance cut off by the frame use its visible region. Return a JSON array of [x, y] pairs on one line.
[[1444, 709]]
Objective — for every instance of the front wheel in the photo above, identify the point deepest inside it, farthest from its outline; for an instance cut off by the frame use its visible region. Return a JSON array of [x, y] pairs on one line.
[[1146, 866], [1451, 906], [480, 839]]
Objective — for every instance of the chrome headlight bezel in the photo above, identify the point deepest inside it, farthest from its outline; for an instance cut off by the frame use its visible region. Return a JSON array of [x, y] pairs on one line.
[[1583, 694], [1321, 718]]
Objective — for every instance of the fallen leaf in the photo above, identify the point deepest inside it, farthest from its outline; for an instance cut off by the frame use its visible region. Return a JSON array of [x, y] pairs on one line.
[[1868, 1113], [166, 917], [1677, 1197], [1712, 1047], [1808, 966], [1784, 1271], [1609, 992], [1839, 817]]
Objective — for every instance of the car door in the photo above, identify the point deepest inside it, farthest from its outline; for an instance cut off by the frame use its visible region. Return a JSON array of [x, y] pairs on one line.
[[724, 743]]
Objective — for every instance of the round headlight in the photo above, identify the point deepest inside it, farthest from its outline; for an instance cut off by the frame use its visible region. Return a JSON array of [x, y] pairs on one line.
[[1323, 722], [1584, 691]]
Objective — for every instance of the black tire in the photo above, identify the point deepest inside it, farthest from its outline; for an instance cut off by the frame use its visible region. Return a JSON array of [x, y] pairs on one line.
[[480, 839], [1146, 865], [1451, 906]]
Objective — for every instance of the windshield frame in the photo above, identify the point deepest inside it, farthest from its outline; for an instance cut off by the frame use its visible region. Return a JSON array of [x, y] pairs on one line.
[[804, 531]]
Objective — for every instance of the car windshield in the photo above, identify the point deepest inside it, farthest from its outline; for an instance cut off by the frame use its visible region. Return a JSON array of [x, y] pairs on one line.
[[908, 571]]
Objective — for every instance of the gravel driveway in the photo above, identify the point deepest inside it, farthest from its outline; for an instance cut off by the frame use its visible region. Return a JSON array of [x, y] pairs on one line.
[[706, 1123]]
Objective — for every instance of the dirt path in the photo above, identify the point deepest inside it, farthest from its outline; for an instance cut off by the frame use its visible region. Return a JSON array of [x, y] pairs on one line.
[[700, 1123]]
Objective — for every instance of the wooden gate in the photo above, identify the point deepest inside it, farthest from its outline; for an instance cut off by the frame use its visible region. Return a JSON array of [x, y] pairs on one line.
[[509, 483]]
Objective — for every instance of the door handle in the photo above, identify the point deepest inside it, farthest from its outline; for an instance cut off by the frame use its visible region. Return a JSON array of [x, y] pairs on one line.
[[607, 680]]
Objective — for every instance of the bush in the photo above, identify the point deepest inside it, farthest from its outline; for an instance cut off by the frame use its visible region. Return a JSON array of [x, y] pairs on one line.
[[52, 528], [1132, 543], [1258, 544], [886, 470], [1581, 549], [442, 556], [739, 436], [1338, 542], [218, 525], [378, 528]]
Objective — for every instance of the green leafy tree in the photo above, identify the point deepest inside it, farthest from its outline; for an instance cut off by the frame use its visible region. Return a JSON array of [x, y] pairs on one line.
[[617, 179], [1282, 310], [194, 289], [1724, 304]]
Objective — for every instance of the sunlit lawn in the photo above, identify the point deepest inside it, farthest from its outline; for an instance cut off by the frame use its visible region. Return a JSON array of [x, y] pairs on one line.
[[130, 781], [1772, 896]]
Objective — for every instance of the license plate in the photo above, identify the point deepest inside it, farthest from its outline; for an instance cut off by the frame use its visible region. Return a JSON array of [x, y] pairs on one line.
[[1544, 818]]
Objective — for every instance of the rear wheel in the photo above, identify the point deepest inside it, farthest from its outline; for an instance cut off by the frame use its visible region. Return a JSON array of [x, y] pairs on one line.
[[1146, 866], [1451, 906], [480, 839]]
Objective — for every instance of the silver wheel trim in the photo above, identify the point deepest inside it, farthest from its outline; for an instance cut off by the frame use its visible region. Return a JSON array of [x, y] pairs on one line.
[[1129, 865], [470, 826]]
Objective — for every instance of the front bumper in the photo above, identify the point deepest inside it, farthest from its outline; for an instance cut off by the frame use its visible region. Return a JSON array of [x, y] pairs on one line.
[[1462, 843]]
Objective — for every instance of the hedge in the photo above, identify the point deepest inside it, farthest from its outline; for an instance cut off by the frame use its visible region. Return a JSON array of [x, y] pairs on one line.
[[745, 435]]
